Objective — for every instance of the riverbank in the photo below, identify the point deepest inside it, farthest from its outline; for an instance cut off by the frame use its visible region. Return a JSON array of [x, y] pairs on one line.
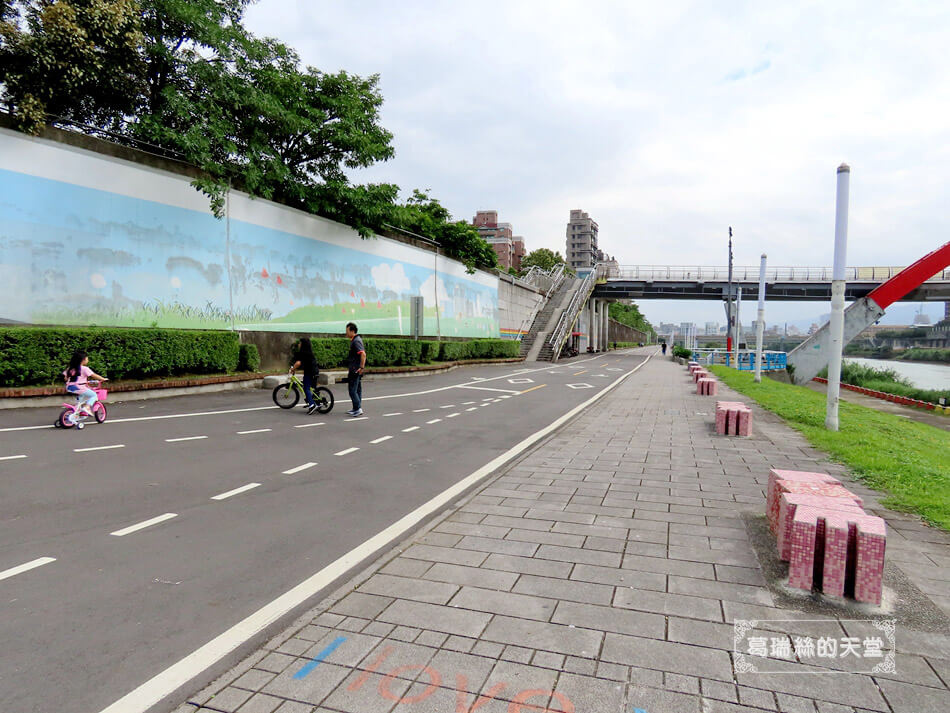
[[903, 458]]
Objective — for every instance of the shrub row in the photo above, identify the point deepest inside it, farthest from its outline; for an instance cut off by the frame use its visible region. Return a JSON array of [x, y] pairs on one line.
[[30, 356], [39, 356]]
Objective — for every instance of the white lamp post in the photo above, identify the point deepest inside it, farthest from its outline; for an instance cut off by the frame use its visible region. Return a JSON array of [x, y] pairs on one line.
[[836, 325]]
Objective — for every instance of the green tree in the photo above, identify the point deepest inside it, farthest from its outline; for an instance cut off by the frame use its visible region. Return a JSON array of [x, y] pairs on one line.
[[542, 258], [630, 315], [78, 60]]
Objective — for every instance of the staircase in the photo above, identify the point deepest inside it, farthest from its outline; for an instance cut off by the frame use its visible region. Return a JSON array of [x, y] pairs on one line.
[[575, 301], [543, 319], [547, 320]]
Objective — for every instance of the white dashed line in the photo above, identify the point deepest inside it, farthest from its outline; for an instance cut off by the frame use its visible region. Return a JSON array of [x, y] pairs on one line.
[[236, 491], [346, 452], [380, 440], [256, 430], [467, 403], [421, 410], [12, 457], [397, 413], [311, 425], [448, 406], [299, 468], [25, 567], [142, 525], [97, 448], [506, 396], [184, 438], [435, 420], [358, 418], [453, 415], [473, 408], [410, 429]]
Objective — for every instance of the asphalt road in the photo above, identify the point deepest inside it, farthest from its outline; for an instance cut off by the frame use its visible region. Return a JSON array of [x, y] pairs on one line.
[[114, 609]]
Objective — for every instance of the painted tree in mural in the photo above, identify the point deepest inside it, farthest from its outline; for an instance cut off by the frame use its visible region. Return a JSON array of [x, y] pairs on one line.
[[186, 77]]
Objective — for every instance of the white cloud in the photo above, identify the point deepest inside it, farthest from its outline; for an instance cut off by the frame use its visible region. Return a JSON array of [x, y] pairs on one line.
[[427, 290], [391, 277]]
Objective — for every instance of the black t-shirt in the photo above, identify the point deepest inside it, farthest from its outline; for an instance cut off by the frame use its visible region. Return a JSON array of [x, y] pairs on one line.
[[308, 363], [356, 347]]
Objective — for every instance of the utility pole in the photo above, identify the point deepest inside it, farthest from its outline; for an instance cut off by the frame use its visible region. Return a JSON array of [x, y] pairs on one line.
[[760, 322], [836, 324], [738, 334], [729, 300]]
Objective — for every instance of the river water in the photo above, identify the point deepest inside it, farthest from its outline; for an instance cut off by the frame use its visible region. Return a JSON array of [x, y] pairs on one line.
[[923, 376]]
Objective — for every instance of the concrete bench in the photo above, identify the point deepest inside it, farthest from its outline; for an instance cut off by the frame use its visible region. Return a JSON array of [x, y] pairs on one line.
[[733, 418], [707, 386], [789, 502], [773, 494]]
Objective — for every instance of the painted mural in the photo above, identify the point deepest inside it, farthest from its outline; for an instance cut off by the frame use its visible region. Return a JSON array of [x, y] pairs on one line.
[[76, 255]]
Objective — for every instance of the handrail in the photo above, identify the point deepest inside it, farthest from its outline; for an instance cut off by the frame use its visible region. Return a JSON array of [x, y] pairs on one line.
[[569, 315], [557, 277], [751, 274]]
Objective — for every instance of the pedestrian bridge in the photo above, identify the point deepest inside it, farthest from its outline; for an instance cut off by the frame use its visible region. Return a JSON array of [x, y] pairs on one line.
[[692, 282]]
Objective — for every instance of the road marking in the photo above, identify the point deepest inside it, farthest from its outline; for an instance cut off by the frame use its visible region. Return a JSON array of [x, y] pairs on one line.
[[26, 567], [473, 408], [578, 373], [299, 468], [488, 388], [318, 659], [508, 396], [533, 388], [256, 430], [97, 448], [12, 457], [435, 420], [380, 440], [579, 386], [180, 673], [420, 410], [346, 452], [142, 525], [236, 491], [521, 381], [453, 415], [410, 429], [311, 425], [358, 418], [448, 406], [184, 438], [397, 413], [467, 403]]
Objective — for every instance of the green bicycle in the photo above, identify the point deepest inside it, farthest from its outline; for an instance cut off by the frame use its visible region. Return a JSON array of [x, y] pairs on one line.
[[287, 395]]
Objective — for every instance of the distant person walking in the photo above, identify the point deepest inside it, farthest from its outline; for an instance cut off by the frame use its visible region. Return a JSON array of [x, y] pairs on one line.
[[355, 362], [663, 347]]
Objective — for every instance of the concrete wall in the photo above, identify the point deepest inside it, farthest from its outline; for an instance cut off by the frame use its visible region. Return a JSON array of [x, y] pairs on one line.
[[516, 303], [98, 236], [622, 333]]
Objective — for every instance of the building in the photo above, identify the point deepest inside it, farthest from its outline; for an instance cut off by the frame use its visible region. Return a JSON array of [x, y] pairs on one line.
[[712, 328], [582, 251], [509, 248]]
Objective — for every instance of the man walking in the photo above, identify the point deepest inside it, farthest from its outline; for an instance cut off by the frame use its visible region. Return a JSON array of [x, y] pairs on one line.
[[356, 362]]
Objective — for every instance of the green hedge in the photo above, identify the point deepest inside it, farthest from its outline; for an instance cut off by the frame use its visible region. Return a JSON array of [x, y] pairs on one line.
[[479, 349], [39, 356], [331, 352], [249, 358]]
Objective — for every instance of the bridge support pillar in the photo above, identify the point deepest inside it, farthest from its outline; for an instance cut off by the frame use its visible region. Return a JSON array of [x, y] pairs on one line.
[[606, 323], [595, 325]]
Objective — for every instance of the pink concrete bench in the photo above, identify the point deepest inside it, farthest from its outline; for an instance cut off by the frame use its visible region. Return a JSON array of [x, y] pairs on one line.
[[733, 418], [773, 494], [826, 538], [701, 373], [789, 502], [707, 386]]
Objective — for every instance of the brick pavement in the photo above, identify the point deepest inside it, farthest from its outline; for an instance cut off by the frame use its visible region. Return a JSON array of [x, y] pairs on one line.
[[601, 573]]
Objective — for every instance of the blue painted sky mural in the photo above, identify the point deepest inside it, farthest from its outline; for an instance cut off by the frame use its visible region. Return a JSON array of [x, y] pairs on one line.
[[95, 257]]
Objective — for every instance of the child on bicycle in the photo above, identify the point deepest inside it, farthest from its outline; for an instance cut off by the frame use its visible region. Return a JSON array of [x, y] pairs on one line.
[[77, 381], [303, 358]]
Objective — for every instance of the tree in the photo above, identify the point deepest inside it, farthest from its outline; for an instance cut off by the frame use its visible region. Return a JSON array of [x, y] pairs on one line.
[[76, 60], [542, 258], [630, 315]]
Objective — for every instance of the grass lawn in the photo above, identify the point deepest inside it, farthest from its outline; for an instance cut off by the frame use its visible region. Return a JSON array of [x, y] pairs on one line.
[[909, 461]]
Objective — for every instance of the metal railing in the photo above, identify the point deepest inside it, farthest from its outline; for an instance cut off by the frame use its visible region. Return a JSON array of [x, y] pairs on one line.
[[751, 274], [771, 360], [556, 277], [569, 315]]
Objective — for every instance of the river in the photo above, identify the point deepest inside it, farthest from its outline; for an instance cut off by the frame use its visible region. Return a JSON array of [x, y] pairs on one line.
[[923, 376]]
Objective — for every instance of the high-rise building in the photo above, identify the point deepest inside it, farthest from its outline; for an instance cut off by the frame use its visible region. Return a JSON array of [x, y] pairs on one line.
[[509, 248], [582, 251], [712, 328]]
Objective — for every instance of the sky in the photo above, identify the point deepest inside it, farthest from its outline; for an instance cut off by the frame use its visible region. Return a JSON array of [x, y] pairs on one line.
[[667, 122]]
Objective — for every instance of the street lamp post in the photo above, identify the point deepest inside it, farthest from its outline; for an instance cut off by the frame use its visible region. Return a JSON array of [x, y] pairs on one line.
[[729, 300], [836, 324], [760, 322]]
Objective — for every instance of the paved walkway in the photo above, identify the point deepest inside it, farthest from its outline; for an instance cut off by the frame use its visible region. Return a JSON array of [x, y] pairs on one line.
[[601, 574]]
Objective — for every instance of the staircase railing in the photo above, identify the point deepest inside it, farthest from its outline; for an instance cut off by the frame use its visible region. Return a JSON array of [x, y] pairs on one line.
[[569, 315], [556, 275]]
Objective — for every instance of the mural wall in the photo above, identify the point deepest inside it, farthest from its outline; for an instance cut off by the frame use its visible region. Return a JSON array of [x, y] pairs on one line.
[[90, 239]]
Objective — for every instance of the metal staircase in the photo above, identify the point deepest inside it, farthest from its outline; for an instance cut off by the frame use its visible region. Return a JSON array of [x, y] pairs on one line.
[[543, 318], [551, 349]]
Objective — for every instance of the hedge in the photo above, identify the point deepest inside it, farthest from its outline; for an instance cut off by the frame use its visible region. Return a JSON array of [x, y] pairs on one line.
[[249, 358], [331, 352], [39, 356]]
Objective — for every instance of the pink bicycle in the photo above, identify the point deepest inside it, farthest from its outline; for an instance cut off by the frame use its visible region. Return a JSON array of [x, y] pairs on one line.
[[73, 415]]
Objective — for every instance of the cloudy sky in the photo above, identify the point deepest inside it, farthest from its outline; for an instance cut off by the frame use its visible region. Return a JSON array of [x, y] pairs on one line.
[[667, 122]]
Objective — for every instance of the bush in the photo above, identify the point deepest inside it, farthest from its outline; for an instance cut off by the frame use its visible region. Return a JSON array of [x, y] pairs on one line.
[[480, 349], [682, 352], [38, 356], [249, 358], [430, 351]]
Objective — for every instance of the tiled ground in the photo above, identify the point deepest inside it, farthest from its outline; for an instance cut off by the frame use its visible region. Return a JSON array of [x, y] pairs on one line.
[[600, 574]]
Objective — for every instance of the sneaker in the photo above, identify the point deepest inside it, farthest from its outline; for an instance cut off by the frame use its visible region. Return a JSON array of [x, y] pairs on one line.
[[358, 412], [311, 408], [351, 412]]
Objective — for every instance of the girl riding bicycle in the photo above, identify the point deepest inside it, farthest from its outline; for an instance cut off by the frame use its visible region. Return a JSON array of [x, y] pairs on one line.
[[77, 381], [303, 357]]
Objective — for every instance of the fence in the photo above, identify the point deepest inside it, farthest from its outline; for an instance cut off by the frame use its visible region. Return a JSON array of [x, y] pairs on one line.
[[771, 361]]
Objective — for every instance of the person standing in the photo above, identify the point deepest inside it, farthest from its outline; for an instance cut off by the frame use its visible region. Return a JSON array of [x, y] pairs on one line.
[[356, 363], [663, 346]]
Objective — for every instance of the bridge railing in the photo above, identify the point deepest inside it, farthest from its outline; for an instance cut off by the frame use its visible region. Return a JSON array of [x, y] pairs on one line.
[[771, 360], [705, 273]]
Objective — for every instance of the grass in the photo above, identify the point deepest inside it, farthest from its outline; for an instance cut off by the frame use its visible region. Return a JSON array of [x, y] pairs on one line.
[[905, 459]]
